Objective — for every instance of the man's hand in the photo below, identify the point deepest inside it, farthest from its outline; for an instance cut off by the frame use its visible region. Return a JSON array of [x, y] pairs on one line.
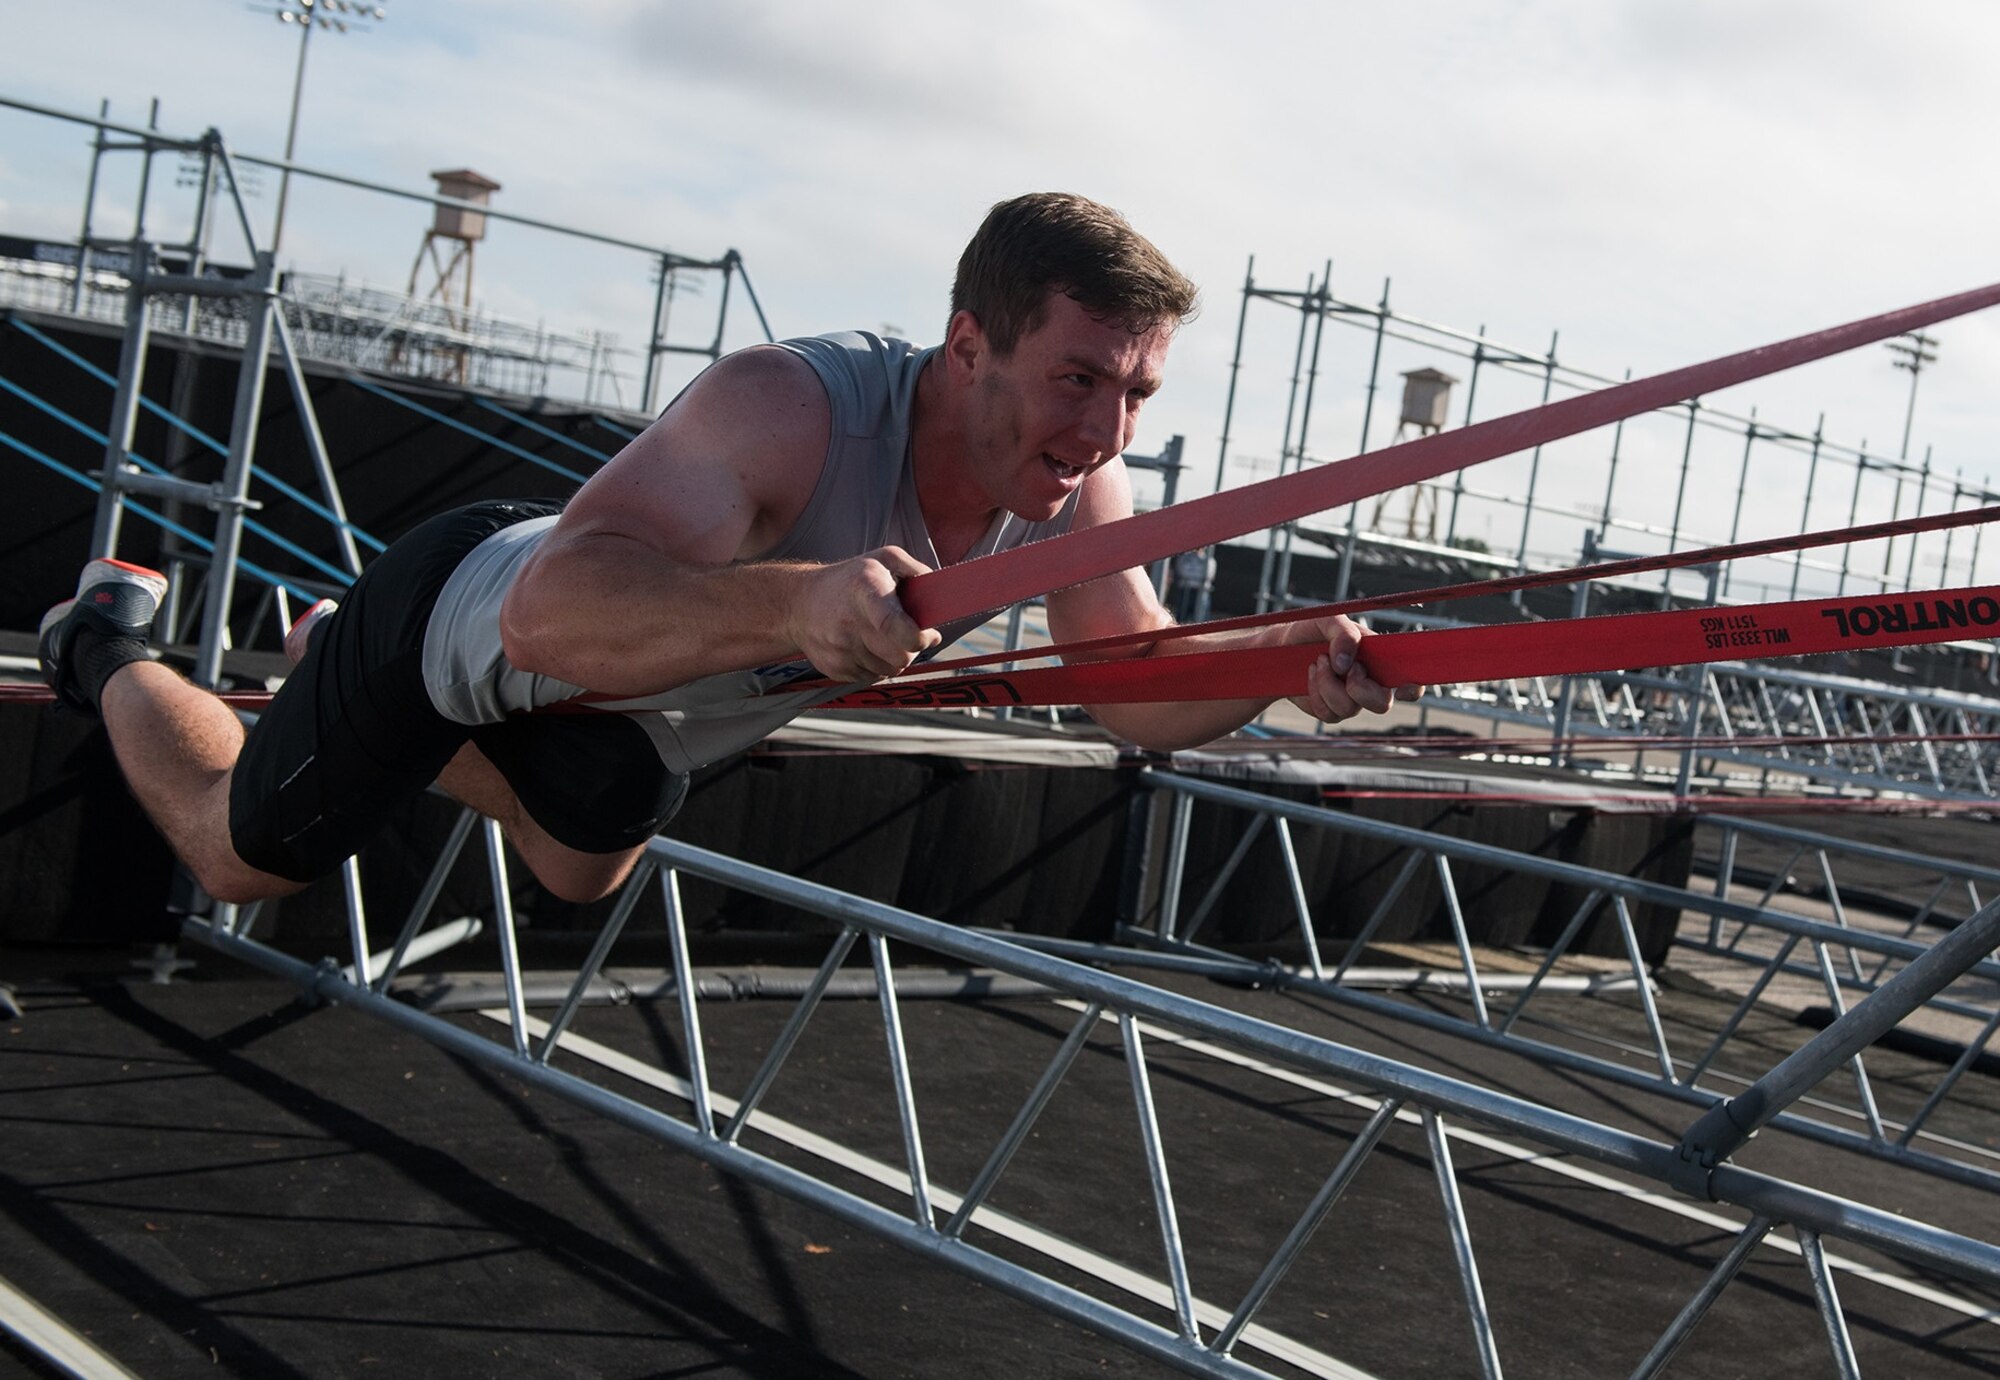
[[1337, 687], [851, 626]]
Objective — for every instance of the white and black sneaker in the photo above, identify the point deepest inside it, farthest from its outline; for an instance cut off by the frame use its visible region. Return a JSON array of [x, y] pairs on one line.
[[298, 637], [85, 639]]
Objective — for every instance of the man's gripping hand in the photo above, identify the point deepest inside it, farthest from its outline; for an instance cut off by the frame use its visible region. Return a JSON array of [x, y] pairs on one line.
[[1337, 685], [849, 623]]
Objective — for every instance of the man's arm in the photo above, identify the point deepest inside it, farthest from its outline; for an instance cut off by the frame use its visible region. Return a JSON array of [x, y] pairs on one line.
[[650, 578], [1337, 687]]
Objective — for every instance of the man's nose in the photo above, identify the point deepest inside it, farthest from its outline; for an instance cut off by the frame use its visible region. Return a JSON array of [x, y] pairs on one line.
[[1103, 428]]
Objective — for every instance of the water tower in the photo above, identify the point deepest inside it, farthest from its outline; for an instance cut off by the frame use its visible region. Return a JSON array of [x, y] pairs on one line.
[[1426, 398], [447, 248]]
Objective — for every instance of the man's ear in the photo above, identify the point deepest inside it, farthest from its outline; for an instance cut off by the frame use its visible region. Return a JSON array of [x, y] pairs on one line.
[[965, 345]]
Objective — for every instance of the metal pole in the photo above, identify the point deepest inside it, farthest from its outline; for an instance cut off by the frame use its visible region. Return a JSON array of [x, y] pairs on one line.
[[1471, 392], [292, 131], [1724, 1128], [1680, 494], [1957, 491], [646, 392], [1285, 448], [1235, 368], [1853, 510], [1742, 485], [1923, 482], [124, 402], [89, 206], [1534, 470], [1367, 417], [1611, 480], [235, 482], [1805, 514], [1283, 590], [145, 173], [1972, 569]]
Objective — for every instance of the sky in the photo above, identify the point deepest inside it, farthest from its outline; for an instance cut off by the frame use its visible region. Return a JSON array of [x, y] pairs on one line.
[[1649, 183]]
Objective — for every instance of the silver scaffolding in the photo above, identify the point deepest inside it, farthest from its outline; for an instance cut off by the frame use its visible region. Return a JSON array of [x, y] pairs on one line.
[[1922, 741], [346, 323], [1164, 1308], [177, 289]]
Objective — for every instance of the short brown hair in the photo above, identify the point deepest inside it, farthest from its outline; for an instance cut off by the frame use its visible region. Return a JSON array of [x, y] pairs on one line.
[[1048, 242]]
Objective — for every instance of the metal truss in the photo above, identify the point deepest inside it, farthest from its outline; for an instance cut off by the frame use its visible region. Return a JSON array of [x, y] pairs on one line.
[[1690, 1057], [1834, 731], [1161, 1310], [1930, 891]]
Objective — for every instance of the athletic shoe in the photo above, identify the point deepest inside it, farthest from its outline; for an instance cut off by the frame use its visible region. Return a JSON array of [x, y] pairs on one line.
[[299, 636], [114, 600]]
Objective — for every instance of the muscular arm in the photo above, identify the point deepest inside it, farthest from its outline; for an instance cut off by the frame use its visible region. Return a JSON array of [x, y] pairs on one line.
[[1337, 687], [650, 578]]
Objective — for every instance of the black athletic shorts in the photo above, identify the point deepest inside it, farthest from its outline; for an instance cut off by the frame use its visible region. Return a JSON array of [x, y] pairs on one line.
[[352, 732]]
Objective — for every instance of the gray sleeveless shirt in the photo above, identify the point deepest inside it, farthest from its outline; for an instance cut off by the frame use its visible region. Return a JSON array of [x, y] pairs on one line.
[[866, 497]]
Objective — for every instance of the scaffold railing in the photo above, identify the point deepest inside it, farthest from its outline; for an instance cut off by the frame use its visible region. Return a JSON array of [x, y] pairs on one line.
[[1159, 1299], [1696, 1057]]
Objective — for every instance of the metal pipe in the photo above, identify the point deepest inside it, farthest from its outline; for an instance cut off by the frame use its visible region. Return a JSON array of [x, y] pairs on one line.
[[600, 950], [1235, 369], [1805, 514], [685, 997], [1534, 471], [1828, 1300], [1461, 1246], [1024, 1122], [1684, 1323], [1284, 577], [1344, 581], [1264, 592], [235, 482], [503, 922], [1725, 1127], [899, 1071], [89, 208], [1308, 1223], [1156, 1173], [1471, 392]]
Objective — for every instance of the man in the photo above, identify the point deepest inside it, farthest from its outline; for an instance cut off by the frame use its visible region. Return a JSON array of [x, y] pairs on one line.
[[562, 669]]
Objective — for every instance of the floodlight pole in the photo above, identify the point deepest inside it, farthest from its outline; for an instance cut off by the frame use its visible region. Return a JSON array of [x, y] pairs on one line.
[[292, 131], [308, 15], [1915, 351]]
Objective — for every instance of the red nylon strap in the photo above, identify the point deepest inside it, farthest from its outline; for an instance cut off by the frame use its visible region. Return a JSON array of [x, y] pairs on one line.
[[1007, 577], [1604, 570], [1447, 656]]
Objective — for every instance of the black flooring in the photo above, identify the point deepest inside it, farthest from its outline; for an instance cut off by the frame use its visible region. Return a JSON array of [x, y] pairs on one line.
[[208, 1178]]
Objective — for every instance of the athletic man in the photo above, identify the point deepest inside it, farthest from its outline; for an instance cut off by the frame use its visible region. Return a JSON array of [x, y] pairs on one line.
[[754, 533]]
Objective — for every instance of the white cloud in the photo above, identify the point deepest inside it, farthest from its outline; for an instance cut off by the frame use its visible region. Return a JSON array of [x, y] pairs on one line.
[[1659, 181]]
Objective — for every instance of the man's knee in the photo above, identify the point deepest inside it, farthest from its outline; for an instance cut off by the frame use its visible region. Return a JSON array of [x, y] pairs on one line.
[[570, 875], [226, 877]]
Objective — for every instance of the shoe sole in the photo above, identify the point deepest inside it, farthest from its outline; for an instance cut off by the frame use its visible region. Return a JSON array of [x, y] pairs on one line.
[[298, 638]]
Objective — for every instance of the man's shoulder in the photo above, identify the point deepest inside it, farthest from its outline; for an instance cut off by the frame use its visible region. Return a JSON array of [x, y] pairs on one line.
[[869, 379], [856, 353]]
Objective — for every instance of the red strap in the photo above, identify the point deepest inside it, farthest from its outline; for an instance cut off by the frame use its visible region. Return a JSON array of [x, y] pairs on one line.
[[1007, 577], [1448, 656], [1604, 570]]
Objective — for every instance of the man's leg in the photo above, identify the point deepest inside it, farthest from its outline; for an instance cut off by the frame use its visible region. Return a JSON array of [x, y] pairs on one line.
[[569, 873], [177, 745]]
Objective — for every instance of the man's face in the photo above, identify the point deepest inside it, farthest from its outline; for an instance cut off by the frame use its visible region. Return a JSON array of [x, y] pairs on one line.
[[1064, 403]]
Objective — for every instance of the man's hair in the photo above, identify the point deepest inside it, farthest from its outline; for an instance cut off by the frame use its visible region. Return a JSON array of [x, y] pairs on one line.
[[1048, 242]]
